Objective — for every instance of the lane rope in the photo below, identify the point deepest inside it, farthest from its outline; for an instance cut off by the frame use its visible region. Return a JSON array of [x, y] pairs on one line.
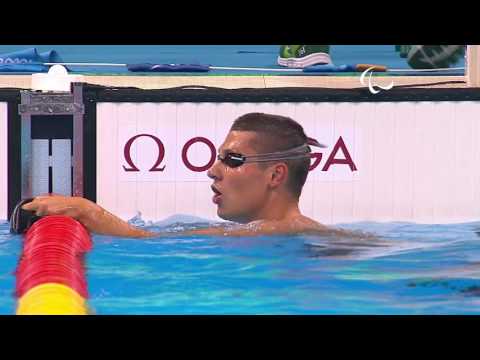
[[50, 277]]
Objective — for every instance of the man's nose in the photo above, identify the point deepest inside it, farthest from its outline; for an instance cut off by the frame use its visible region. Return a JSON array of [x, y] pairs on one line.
[[214, 172]]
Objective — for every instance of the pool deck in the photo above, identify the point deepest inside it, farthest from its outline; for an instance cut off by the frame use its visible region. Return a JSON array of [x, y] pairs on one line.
[[236, 82]]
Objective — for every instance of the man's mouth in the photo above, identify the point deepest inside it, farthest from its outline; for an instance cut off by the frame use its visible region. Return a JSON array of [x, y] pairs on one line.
[[217, 195]]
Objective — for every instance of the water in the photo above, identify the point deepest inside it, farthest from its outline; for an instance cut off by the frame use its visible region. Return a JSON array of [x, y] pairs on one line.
[[216, 55], [413, 269]]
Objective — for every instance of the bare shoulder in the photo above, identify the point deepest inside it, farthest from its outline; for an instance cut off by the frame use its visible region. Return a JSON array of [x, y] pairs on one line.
[[306, 225], [292, 226], [296, 225], [303, 224]]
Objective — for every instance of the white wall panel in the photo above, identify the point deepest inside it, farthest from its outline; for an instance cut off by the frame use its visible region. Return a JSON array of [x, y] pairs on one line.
[[415, 161]]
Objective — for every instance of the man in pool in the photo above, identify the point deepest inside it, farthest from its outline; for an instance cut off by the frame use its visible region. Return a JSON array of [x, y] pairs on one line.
[[257, 182]]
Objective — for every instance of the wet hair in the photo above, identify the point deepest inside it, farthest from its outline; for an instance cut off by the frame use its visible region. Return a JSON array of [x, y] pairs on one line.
[[278, 133]]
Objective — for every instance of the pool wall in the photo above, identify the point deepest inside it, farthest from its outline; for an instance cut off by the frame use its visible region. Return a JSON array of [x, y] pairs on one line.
[[406, 154], [407, 161]]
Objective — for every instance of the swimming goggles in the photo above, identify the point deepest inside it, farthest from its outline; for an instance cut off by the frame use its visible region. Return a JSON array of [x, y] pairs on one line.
[[234, 160]]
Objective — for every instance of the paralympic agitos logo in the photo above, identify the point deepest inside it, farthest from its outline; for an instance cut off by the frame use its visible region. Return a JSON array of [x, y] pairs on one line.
[[339, 155]]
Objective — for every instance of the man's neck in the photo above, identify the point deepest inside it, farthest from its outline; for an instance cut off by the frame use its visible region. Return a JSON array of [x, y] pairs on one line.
[[279, 209]]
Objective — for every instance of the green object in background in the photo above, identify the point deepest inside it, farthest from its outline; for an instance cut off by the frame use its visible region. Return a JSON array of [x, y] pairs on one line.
[[403, 50], [298, 51], [431, 56], [302, 56], [417, 56]]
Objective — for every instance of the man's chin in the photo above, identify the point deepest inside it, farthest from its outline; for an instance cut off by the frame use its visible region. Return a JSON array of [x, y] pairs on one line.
[[224, 216], [232, 217]]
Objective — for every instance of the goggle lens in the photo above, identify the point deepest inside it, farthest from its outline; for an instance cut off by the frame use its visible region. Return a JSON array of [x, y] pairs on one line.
[[232, 160]]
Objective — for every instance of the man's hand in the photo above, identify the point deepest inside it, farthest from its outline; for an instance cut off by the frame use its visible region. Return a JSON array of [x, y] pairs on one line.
[[57, 205]]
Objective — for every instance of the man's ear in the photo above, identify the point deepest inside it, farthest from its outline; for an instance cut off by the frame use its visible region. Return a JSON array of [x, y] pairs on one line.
[[278, 174]]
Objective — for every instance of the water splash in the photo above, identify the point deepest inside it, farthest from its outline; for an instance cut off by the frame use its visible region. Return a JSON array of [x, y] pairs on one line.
[[137, 220]]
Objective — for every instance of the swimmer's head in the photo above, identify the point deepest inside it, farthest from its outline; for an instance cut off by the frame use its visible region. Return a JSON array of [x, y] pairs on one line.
[[246, 182]]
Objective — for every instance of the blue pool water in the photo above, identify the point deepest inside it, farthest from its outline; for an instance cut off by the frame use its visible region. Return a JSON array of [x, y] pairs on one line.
[[412, 269], [215, 55]]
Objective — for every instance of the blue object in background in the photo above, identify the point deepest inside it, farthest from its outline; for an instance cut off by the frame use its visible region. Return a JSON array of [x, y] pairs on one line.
[[330, 68], [147, 67], [24, 68], [263, 56], [28, 60], [30, 55]]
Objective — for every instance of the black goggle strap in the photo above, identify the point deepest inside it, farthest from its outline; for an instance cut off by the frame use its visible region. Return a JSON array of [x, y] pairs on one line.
[[303, 149], [299, 152], [299, 149], [278, 158]]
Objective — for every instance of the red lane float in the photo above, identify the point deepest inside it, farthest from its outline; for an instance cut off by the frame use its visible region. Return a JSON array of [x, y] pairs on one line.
[[51, 273]]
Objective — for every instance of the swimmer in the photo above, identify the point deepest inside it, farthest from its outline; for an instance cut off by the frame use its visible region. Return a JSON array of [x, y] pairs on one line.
[[257, 181]]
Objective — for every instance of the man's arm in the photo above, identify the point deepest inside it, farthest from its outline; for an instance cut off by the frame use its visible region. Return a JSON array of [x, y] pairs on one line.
[[98, 220], [92, 216]]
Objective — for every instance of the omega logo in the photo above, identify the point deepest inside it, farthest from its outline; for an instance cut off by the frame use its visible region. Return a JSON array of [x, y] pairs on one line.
[[339, 147]]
